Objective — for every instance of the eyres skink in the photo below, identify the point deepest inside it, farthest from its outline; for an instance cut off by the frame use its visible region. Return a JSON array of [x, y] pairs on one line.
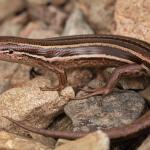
[[59, 54], [128, 55]]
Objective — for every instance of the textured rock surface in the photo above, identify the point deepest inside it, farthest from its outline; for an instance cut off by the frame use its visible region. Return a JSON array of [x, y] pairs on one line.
[[94, 141], [31, 105], [10, 141], [116, 109], [133, 19]]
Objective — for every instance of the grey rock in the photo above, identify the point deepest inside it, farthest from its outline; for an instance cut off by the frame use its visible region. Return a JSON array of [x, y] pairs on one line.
[[76, 24], [113, 110]]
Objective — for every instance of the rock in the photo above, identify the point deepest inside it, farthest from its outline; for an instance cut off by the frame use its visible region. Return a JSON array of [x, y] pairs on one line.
[[61, 142], [37, 2], [99, 13], [79, 77], [13, 25], [7, 71], [48, 14], [47, 141], [56, 18], [37, 30], [69, 6], [7, 9], [10, 141], [31, 105], [94, 141], [145, 145], [132, 18], [146, 94], [113, 110], [58, 2], [61, 123], [132, 83], [20, 76], [76, 24]]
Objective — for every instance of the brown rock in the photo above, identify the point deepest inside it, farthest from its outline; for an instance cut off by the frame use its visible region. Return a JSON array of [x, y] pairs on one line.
[[31, 105], [133, 19], [99, 13], [10, 141], [133, 83], [94, 141], [48, 14], [7, 9], [37, 2], [58, 2], [13, 25], [37, 30], [47, 141], [21, 76], [146, 94], [79, 77], [7, 71]]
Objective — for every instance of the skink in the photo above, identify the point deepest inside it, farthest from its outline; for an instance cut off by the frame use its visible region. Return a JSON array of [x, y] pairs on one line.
[[128, 55], [61, 53]]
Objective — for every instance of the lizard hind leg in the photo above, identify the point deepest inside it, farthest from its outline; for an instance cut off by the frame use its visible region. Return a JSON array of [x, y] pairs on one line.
[[116, 75]]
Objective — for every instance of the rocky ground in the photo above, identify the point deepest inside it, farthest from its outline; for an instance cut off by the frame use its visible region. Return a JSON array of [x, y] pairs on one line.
[[23, 100]]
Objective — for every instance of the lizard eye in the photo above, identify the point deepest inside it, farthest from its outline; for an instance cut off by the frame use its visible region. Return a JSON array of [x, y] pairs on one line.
[[10, 51]]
